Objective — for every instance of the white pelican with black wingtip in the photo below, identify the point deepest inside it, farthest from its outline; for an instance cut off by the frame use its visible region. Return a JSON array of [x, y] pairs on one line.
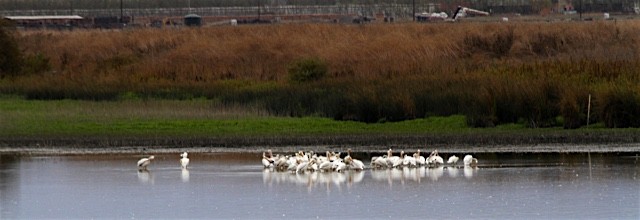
[[144, 162]]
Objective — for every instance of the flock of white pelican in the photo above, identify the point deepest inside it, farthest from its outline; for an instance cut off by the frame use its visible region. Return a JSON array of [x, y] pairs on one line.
[[332, 162], [333, 168]]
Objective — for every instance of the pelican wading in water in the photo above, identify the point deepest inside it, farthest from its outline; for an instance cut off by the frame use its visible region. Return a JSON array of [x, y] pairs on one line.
[[435, 159], [268, 161], [144, 162], [184, 161], [453, 160], [470, 161]]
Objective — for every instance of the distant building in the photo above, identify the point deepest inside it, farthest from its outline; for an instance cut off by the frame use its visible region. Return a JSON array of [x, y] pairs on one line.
[[49, 21]]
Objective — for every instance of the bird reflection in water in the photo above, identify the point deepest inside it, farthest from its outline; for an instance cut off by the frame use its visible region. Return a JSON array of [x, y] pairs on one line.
[[352, 177], [184, 175], [452, 171], [435, 173], [407, 174], [469, 171], [145, 177], [313, 179]]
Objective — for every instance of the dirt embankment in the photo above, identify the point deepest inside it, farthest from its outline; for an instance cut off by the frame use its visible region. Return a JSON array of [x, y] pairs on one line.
[[596, 142]]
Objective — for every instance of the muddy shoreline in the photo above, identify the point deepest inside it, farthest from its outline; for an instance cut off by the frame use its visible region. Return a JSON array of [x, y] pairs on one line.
[[468, 143]]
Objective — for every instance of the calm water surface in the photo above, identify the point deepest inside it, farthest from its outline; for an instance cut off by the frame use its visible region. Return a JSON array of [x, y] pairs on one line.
[[234, 185]]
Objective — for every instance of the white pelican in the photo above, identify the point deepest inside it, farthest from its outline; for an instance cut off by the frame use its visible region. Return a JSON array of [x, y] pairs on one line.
[[469, 161], [313, 165], [435, 159], [267, 162], [409, 161], [390, 158], [302, 156], [184, 161], [379, 162], [453, 160], [420, 160], [302, 166], [292, 164], [144, 162], [281, 162], [326, 165], [438, 160], [348, 157], [397, 160], [334, 156], [339, 165], [354, 164]]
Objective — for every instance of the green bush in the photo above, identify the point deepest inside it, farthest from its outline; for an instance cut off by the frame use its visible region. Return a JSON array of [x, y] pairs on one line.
[[37, 63], [10, 55], [308, 69]]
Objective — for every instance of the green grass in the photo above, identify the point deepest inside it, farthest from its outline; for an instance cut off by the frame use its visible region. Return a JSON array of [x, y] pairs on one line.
[[202, 118]]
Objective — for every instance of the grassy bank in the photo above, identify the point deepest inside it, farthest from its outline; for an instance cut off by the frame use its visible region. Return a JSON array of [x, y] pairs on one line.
[[200, 118], [206, 123]]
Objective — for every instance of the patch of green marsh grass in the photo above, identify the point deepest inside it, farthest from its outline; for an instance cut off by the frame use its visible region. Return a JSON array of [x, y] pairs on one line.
[[21, 117], [204, 118]]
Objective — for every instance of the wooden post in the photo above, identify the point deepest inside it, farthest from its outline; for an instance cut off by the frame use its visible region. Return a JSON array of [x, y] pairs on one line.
[[588, 110]]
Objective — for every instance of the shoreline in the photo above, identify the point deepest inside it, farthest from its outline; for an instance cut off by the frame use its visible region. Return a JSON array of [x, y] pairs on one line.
[[468, 143], [50, 151]]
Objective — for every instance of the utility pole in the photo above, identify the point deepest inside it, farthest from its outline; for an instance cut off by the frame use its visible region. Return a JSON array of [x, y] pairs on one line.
[[121, 13], [259, 3], [413, 16], [581, 10]]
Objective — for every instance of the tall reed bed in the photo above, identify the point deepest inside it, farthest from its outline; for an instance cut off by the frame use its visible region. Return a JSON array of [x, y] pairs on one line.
[[539, 74]]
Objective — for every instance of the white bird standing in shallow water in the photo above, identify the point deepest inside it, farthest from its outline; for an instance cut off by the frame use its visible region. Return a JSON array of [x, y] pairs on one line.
[[470, 161], [435, 159], [453, 160], [184, 161], [144, 162]]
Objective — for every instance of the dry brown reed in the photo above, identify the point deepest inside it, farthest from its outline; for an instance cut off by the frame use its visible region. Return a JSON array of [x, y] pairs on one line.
[[530, 72]]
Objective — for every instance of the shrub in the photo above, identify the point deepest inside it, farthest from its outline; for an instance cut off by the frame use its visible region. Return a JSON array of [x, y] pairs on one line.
[[37, 63], [10, 55], [620, 107], [573, 107], [308, 69]]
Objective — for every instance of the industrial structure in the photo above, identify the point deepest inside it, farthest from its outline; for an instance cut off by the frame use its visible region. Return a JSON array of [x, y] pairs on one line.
[[120, 13]]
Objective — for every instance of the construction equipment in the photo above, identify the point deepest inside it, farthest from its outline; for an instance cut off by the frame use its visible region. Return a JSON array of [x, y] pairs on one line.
[[442, 16], [429, 17], [464, 12]]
